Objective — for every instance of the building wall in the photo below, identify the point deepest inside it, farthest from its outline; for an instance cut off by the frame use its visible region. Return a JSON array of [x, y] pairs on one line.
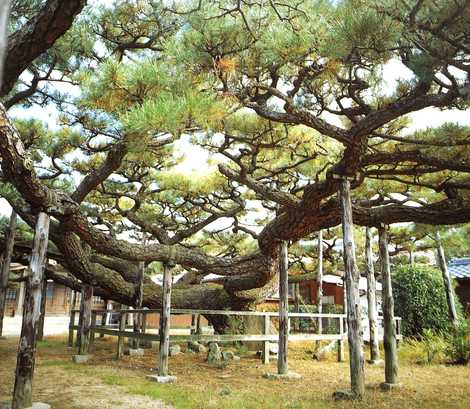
[[463, 292], [58, 299]]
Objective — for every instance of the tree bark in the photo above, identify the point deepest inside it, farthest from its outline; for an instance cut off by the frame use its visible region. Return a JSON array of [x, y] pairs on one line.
[[22, 395], [282, 366], [441, 258], [4, 13], [85, 325], [390, 337], [165, 321], [355, 335], [43, 309], [320, 280], [372, 300], [5, 272]]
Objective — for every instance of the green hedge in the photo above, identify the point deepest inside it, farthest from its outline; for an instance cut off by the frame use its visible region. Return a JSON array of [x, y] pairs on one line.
[[420, 299]]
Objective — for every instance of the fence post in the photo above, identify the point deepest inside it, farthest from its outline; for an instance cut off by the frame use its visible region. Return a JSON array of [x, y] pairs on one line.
[[122, 328], [267, 322]]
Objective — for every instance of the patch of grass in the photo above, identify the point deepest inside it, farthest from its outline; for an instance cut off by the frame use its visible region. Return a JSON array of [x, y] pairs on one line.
[[50, 343]]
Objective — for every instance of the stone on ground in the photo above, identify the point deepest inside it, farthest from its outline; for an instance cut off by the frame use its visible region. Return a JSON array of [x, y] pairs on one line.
[[81, 359], [175, 349], [196, 347], [289, 376], [162, 379], [136, 352], [344, 395], [227, 355], [375, 361], [214, 355]]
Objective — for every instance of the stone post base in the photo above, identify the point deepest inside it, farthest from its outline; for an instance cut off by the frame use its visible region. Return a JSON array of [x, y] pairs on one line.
[[36, 405], [161, 379], [136, 352], [385, 386], [375, 361], [289, 376], [81, 359]]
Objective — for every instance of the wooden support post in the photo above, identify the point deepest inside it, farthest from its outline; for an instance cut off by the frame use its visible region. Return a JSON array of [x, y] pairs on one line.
[[42, 317], [282, 367], [320, 280], [85, 313], [355, 336], [198, 324], [92, 330], [122, 328], [138, 320], [441, 259], [340, 344], [21, 299], [164, 332], [73, 302], [104, 316], [390, 336], [80, 319], [267, 324], [193, 324], [372, 300], [22, 395], [5, 271]]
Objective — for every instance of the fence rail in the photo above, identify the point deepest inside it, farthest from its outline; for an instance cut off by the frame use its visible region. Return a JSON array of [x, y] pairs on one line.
[[119, 330]]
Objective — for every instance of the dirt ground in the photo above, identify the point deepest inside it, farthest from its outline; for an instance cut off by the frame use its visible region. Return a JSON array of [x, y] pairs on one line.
[[106, 383]]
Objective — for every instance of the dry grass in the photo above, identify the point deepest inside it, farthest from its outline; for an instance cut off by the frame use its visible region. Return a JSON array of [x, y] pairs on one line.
[[105, 383]]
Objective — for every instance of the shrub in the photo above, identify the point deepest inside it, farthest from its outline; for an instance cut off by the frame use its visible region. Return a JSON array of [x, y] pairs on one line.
[[428, 349], [458, 344], [420, 299]]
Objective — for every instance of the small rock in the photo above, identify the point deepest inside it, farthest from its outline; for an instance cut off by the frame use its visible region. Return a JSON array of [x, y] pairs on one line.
[[175, 349], [227, 355], [136, 352], [196, 347], [385, 386], [225, 391], [344, 395], [288, 376], [236, 358], [214, 355]]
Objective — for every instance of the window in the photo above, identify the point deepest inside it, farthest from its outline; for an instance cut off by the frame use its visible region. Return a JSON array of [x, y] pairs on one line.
[[50, 291], [11, 294]]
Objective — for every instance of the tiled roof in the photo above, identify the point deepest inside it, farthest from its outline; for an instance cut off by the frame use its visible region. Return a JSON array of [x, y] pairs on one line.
[[459, 267]]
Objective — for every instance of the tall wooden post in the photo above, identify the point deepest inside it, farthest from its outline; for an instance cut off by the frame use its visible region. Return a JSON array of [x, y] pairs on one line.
[[355, 336], [320, 280], [104, 316], [85, 325], [73, 302], [22, 395], [42, 318], [5, 271], [21, 299], [282, 367], [164, 332], [138, 320], [390, 336], [441, 259], [372, 300]]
